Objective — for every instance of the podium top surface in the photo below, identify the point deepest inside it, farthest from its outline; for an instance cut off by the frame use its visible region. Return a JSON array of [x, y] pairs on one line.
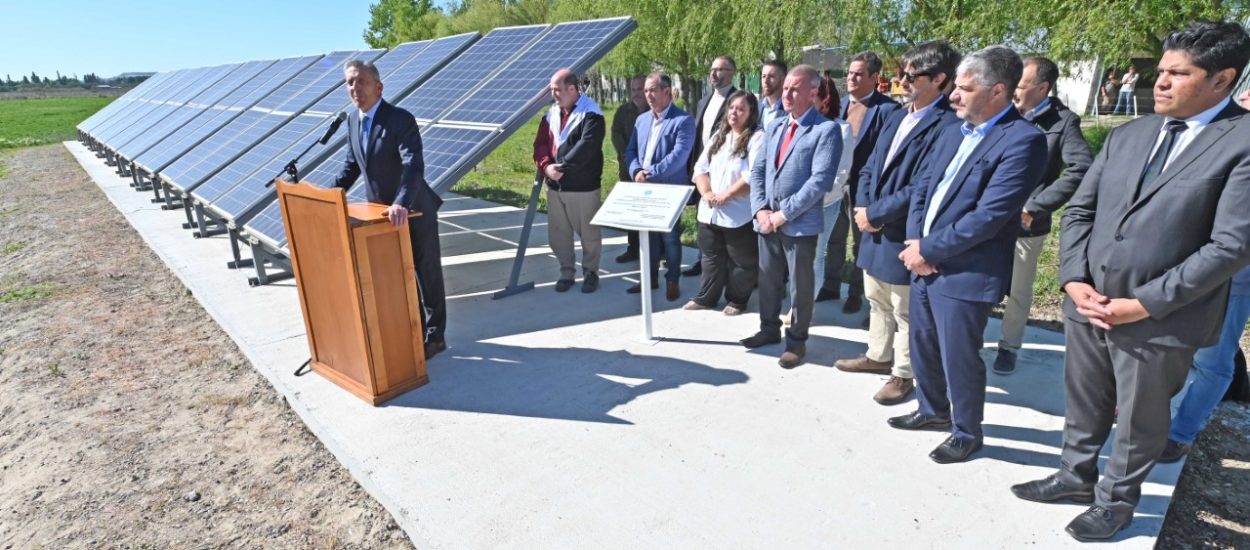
[[367, 213]]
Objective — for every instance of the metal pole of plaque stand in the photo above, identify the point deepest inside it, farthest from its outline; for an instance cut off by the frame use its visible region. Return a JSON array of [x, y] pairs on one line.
[[644, 284]]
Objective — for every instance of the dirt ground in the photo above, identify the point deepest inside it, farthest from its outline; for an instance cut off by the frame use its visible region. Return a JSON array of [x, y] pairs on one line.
[[128, 419]]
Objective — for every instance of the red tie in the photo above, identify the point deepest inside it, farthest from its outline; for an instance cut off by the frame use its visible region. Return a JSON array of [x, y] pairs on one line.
[[785, 143]]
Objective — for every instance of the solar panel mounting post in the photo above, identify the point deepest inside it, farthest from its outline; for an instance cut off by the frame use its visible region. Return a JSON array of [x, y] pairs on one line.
[[522, 244]]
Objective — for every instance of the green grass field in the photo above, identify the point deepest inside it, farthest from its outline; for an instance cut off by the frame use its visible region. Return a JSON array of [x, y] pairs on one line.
[[27, 122]]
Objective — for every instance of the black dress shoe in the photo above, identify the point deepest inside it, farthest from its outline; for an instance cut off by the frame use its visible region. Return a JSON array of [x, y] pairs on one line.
[[628, 256], [825, 294], [694, 271], [917, 421], [955, 449], [563, 285], [1097, 523], [1173, 452], [760, 339], [1050, 489], [793, 356], [434, 347], [852, 304], [637, 288], [590, 282]]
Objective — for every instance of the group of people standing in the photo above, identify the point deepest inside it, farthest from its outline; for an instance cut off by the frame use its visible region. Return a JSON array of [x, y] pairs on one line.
[[947, 203]]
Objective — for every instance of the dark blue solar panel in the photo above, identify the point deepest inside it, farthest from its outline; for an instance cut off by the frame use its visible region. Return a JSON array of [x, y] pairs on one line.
[[466, 71], [526, 78], [268, 227], [295, 90], [170, 149], [232, 82], [157, 115], [232, 182], [191, 168]]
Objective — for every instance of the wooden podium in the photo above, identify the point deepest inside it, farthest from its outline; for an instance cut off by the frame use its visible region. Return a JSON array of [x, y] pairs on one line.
[[357, 288]]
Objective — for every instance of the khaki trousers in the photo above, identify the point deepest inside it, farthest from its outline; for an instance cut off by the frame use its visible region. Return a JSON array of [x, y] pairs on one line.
[[1023, 273], [888, 324], [570, 212]]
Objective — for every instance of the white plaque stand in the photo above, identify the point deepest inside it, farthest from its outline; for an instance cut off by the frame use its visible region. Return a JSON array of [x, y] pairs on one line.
[[644, 207]]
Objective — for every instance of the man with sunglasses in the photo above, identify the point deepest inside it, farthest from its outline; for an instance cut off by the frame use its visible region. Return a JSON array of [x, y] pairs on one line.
[[881, 209]]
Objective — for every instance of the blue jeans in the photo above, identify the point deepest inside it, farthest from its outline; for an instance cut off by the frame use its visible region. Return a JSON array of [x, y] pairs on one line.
[[1125, 100], [671, 243], [1212, 373], [822, 243]]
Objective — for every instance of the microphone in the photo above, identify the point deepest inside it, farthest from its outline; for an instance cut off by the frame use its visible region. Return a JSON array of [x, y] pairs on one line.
[[334, 127]]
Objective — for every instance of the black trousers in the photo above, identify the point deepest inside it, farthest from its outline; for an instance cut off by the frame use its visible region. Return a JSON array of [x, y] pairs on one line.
[[835, 259], [427, 258], [1102, 373], [730, 264]]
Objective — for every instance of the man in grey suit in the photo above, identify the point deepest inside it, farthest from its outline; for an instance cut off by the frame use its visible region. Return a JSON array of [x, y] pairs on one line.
[[1148, 245], [788, 185]]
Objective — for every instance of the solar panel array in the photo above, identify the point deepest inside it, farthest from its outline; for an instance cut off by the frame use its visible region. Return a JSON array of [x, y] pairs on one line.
[[214, 136]]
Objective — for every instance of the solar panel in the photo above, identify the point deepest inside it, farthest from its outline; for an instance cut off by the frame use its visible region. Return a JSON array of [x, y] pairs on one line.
[[330, 75], [202, 160], [139, 110], [122, 102], [122, 114], [174, 122], [402, 68], [450, 84], [167, 151], [526, 78], [158, 114]]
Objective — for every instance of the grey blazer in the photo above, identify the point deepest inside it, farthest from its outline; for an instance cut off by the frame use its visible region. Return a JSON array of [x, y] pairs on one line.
[[1174, 248], [797, 187]]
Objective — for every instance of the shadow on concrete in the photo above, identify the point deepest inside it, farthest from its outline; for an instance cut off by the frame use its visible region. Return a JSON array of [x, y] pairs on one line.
[[559, 383]]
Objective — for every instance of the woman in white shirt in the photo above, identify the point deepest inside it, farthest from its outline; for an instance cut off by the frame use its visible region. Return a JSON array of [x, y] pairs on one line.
[[726, 237]]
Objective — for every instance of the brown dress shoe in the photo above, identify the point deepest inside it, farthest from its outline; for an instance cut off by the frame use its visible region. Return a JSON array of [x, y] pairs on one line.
[[895, 390], [673, 292], [863, 364]]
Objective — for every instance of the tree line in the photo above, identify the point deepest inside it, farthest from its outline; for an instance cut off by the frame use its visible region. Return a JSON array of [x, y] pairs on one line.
[[683, 37], [87, 81]]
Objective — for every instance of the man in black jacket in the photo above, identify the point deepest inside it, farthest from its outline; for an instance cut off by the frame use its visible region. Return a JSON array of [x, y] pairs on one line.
[[569, 153], [1067, 159]]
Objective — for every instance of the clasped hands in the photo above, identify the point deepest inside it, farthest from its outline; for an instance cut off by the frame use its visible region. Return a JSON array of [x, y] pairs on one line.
[[769, 220], [913, 261], [1101, 311]]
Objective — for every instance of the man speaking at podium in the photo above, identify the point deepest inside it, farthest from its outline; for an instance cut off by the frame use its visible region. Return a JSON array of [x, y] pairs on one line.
[[385, 145]]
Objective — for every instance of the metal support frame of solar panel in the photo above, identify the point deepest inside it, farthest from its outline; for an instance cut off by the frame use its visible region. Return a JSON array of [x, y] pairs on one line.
[[186, 113], [204, 125], [159, 111], [171, 88], [252, 128], [430, 99], [239, 191], [445, 142]]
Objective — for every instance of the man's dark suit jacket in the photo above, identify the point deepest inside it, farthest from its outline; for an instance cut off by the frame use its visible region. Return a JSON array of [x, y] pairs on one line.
[[699, 111], [581, 154], [885, 189], [880, 107], [973, 237], [393, 166], [1175, 247], [1067, 155]]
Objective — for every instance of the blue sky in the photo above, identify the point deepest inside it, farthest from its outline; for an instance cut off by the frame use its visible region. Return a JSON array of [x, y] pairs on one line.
[[108, 37]]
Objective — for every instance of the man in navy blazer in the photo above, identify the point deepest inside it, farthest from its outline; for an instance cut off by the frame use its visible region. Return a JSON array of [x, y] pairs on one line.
[[881, 209], [385, 146], [866, 111], [659, 152], [961, 233], [788, 185]]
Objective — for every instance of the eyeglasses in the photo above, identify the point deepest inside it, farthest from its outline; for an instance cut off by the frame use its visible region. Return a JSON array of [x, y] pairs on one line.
[[911, 77]]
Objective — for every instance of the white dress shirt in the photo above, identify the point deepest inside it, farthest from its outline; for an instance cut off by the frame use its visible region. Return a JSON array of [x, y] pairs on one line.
[[1196, 124], [724, 168], [972, 137]]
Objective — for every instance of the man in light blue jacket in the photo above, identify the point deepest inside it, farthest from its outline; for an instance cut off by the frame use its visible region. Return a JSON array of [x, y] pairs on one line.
[[788, 185], [659, 152]]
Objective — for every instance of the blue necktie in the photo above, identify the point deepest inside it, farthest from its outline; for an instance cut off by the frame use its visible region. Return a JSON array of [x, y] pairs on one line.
[[364, 135]]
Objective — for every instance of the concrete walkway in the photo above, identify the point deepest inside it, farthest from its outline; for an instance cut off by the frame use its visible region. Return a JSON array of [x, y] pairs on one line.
[[549, 423]]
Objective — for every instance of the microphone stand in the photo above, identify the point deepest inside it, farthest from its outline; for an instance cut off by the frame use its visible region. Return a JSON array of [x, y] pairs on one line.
[[292, 168]]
